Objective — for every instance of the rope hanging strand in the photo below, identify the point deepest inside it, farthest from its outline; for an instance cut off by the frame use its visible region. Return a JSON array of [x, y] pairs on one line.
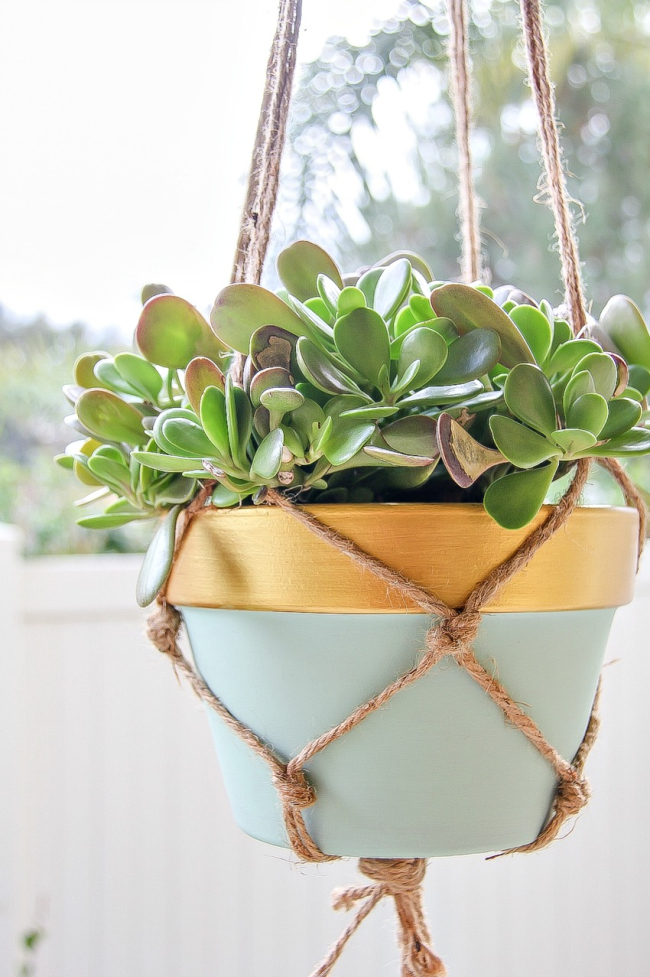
[[468, 203], [555, 179], [264, 178]]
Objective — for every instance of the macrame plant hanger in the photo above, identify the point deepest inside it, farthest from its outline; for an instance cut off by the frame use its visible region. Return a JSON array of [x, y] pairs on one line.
[[453, 630]]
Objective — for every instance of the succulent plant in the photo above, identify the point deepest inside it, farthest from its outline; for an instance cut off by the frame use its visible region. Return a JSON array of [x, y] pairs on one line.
[[381, 386]]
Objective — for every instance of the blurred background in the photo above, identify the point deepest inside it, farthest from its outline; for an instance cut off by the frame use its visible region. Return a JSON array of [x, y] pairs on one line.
[[127, 129]]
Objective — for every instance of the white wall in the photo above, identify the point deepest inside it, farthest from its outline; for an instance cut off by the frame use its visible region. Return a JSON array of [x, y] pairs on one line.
[[116, 836]]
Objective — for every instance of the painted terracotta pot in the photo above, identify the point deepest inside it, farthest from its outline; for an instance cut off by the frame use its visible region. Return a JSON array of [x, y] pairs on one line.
[[292, 636]]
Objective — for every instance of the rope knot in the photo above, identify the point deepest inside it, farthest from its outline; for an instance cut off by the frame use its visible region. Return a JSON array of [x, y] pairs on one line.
[[396, 875], [453, 635], [294, 789]]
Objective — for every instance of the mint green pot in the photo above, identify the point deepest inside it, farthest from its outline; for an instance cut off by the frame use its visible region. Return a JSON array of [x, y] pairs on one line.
[[437, 771]]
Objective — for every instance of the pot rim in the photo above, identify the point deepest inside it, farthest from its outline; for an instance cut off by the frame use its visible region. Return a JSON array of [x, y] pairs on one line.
[[259, 558]]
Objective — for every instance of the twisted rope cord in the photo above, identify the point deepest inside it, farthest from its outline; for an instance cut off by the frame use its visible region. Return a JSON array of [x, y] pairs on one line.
[[264, 178], [555, 179], [468, 209]]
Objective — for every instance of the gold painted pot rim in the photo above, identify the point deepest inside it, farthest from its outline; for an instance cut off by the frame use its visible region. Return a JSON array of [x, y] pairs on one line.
[[260, 558]]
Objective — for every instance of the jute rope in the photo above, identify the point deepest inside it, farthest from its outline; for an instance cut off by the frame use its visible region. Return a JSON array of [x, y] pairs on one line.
[[468, 203], [453, 630], [555, 179]]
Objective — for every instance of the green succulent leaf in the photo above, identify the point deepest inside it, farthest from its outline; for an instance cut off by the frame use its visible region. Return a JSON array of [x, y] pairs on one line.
[[214, 420], [281, 400], [345, 440], [239, 417], [636, 441], [224, 498], [361, 337], [521, 446], [427, 347], [623, 414], [372, 412], [470, 356], [171, 332], [139, 374], [109, 418], [623, 323], [84, 369], [405, 320], [329, 292], [187, 437], [301, 264], [158, 559], [588, 413], [640, 379], [111, 520], [536, 329], [320, 370], [275, 376], [469, 309], [240, 310], [166, 463], [110, 378], [268, 457], [515, 499], [439, 395], [529, 397], [573, 440], [368, 284], [350, 298], [392, 288], [580, 384], [567, 356], [414, 435], [200, 374], [421, 308], [603, 371], [149, 291]]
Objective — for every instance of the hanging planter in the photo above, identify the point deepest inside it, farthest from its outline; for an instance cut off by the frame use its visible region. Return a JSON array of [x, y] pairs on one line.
[[399, 641]]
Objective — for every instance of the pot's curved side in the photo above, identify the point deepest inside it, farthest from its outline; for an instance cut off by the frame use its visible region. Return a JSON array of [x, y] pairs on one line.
[[437, 771]]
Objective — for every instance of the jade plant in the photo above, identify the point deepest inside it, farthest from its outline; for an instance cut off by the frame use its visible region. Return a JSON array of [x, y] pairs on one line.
[[375, 387]]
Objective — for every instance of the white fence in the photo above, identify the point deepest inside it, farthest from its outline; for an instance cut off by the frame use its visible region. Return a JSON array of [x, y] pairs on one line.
[[115, 834]]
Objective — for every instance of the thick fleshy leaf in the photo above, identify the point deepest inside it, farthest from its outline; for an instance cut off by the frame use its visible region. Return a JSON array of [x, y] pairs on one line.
[[109, 377], [108, 465], [84, 368], [305, 417], [159, 434], [239, 310], [588, 413], [362, 339], [535, 328], [140, 374], [388, 456], [426, 346], [317, 306], [272, 346], [418, 264], [224, 498], [319, 369], [239, 416], [404, 321], [640, 379], [603, 371], [79, 464], [514, 499], [371, 412], [521, 446], [281, 400], [214, 421], [158, 559], [572, 440], [634, 442], [412, 436], [368, 283], [187, 437], [529, 397], [112, 520], [109, 418], [567, 356], [345, 440], [175, 490], [465, 458], [200, 374], [392, 288], [420, 306], [623, 414], [329, 292], [622, 321], [299, 266], [171, 332], [275, 376], [268, 457], [149, 291], [469, 309], [470, 356], [438, 395], [350, 298], [316, 327], [166, 463], [580, 384]]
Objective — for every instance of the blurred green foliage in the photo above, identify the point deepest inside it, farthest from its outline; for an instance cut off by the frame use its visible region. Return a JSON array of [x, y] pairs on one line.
[[372, 165], [36, 359]]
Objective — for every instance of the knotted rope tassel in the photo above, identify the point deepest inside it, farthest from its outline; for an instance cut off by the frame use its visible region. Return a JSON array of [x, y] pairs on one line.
[[401, 879]]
